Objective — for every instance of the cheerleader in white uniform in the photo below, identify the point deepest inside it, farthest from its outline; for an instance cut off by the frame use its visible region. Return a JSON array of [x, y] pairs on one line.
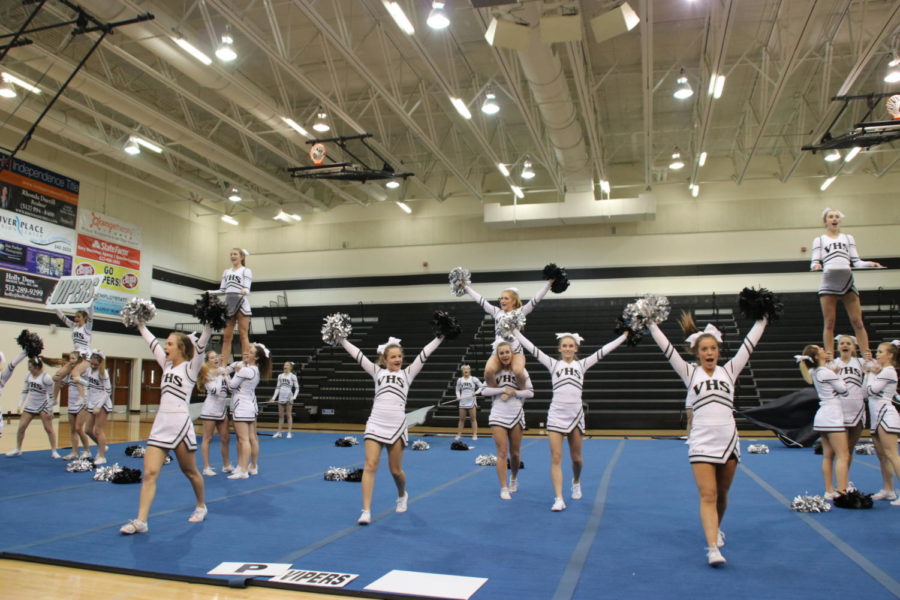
[[507, 418], [565, 419], [214, 412], [37, 401], [881, 385], [829, 419], [98, 390], [466, 386], [5, 374], [386, 426], [509, 301], [68, 378], [834, 253], [82, 326], [236, 281], [286, 390], [714, 447], [257, 365], [851, 369], [172, 428]]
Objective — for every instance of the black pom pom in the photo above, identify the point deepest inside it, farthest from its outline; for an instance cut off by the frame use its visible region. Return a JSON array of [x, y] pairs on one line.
[[354, 475], [126, 475], [445, 325], [622, 326], [559, 276], [756, 304], [130, 450], [211, 311], [31, 343], [853, 499], [458, 445]]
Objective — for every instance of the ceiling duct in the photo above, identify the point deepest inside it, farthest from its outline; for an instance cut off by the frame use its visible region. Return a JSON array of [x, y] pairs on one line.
[[578, 209]]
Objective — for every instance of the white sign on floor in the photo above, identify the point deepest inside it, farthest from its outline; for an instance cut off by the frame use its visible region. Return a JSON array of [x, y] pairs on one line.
[[317, 578], [250, 569], [430, 585]]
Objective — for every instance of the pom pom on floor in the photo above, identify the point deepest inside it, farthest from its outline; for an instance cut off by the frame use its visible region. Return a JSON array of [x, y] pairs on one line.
[[756, 304], [31, 343], [486, 460], [209, 310], [135, 451], [816, 504], [864, 448], [79, 465], [346, 442], [420, 445], [459, 279], [106, 473], [126, 475], [458, 445], [559, 276], [758, 449], [445, 325], [336, 474], [137, 311], [354, 475], [336, 329], [853, 499]]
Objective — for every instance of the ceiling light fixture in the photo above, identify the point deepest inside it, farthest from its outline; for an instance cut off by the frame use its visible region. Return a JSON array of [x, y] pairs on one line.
[[225, 51], [893, 74], [295, 217], [604, 186], [490, 106], [717, 86], [527, 171], [147, 144], [131, 147], [833, 155], [7, 90], [676, 163], [517, 191], [437, 18], [295, 126], [404, 207], [852, 154], [683, 91], [392, 184], [234, 195], [695, 190], [461, 108], [399, 16], [230, 220], [702, 160], [192, 50], [10, 78], [320, 124], [827, 182]]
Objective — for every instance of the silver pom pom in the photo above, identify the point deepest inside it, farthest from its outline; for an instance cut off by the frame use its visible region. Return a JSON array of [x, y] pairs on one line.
[[138, 452], [864, 448], [420, 445], [816, 504], [336, 474], [459, 279], [486, 460], [106, 473], [137, 312], [350, 440], [509, 322], [649, 309], [758, 449], [336, 329], [79, 465]]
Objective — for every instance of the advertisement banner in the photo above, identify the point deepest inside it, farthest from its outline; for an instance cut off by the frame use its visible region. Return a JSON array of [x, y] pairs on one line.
[[109, 228], [17, 257], [34, 204], [109, 247], [23, 286], [114, 278], [111, 253], [28, 231], [27, 176]]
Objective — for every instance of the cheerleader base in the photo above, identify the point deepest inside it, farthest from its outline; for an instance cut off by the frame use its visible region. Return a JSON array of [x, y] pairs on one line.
[[829, 419], [714, 444], [171, 429], [564, 418], [386, 427], [507, 414], [884, 416]]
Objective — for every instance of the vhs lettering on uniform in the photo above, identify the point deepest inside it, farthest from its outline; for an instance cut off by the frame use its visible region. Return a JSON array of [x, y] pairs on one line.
[[568, 371], [712, 384], [172, 378], [393, 379]]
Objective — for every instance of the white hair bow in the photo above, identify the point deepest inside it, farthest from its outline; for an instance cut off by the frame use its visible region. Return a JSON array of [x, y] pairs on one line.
[[709, 330], [511, 289], [245, 252], [578, 339], [392, 341], [802, 357], [264, 349], [98, 352], [837, 338], [895, 343], [828, 210]]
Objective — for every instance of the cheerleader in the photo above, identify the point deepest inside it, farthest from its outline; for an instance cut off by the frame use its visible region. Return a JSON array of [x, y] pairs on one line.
[[565, 418], [214, 413], [881, 385], [5, 374], [386, 426], [714, 447], [68, 377], [235, 284], [507, 418], [98, 388], [509, 301], [257, 365], [82, 325], [851, 370], [286, 390], [172, 428], [829, 419], [834, 253], [37, 401], [468, 406]]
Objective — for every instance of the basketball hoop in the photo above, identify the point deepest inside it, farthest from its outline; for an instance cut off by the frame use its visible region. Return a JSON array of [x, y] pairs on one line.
[[893, 106], [317, 154]]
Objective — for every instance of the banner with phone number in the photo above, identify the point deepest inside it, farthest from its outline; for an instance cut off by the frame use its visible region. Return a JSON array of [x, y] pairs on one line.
[[118, 265]]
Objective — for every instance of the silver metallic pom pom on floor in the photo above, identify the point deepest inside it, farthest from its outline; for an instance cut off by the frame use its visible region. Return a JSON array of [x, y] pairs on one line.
[[420, 445], [486, 460], [336, 474], [106, 473], [816, 504], [864, 448], [79, 465], [336, 329], [758, 449]]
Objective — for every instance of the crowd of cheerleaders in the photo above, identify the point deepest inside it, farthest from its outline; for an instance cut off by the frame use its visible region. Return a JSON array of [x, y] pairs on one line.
[[843, 383]]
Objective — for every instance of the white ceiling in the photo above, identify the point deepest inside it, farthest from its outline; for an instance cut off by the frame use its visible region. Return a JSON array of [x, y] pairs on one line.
[[222, 124]]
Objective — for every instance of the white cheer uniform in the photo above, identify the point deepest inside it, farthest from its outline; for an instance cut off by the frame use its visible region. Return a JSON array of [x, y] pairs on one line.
[[37, 394], [98, 388], [243, 393], [214, 406], [8, 370], [836, 256], [832, 391], [510, 412], [81, 335], [286, 388], [496, 312], [713, 437], [880, 389], [387, 421], [566, 408], [173, 424], [853, 405], [465, 391], [75, 400], [233, 282]]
